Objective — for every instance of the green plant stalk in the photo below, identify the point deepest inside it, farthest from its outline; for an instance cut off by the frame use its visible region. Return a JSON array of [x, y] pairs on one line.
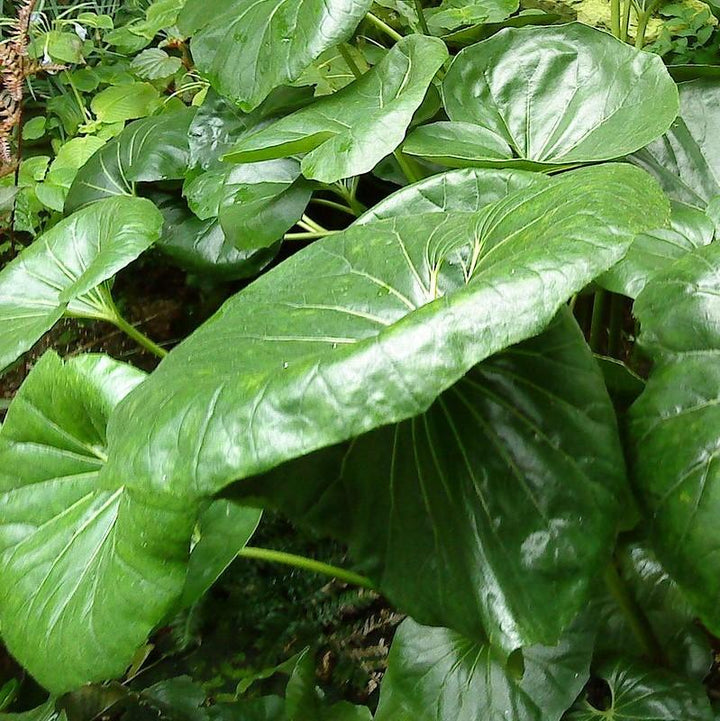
[[641, 27], [408, 167], [130, 330], [335, 206], [306, 564], [634, 615], [384, 27], [421, 17], [615, 17], [642, 21], [616, 322], [350, 61], [597, 327], [307, 236], [307, 223], [626, 21], [342, 192]]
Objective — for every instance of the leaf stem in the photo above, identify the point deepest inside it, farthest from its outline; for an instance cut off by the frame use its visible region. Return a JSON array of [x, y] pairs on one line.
[[341, 191], [409, 169], [421, 17], [633, 614], [596, 324], [130, 330], [307, 236], [381, 25], [350, 61], [335, 206], [306, 564], [615, 17], [307, 223], [642, 21], [626, 21]]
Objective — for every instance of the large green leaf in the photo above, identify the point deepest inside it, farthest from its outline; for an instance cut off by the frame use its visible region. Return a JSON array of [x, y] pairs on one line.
[[435, 674], [562, 95], [453, 14], [119, 103], [639, 693], [685, 644], [59, 273], [467, 190], [200, 246], [225, 528], [656, 250], [87, 568], [459, 145], [506, 490], [247, 48], [219, 124], [686, 160], [367, 327], [255, 203], [675, 423], [150, 149], [348, 133]]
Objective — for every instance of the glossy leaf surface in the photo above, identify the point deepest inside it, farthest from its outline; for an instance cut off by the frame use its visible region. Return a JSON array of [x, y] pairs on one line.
[[247, 48], [435, 674], [56, 274], [154, 148], [506, 490], [348, 133], [652, 252], [676, 423], [467, 190], [640, 693], [225, 528], [404, 307], [200, 246], [255, 203], [219, 124], [684, 643], [458, 145], [562, 95], [88, 568], [686, 160]]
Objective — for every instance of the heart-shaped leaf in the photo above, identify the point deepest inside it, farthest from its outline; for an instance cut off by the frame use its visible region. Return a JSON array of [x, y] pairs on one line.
[[61, 271], [561, 95], [639, 693], [88, 568], [247, 48], [506, 490], [675, 423], [435, 674], [348, 133], [119, 103], [150, 149], [376, 321]]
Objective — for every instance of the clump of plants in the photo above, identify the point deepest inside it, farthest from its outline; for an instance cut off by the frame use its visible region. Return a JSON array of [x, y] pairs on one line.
[[470, 333]]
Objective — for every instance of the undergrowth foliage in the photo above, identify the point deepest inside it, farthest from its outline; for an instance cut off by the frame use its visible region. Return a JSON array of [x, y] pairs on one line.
[[469, 330]]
